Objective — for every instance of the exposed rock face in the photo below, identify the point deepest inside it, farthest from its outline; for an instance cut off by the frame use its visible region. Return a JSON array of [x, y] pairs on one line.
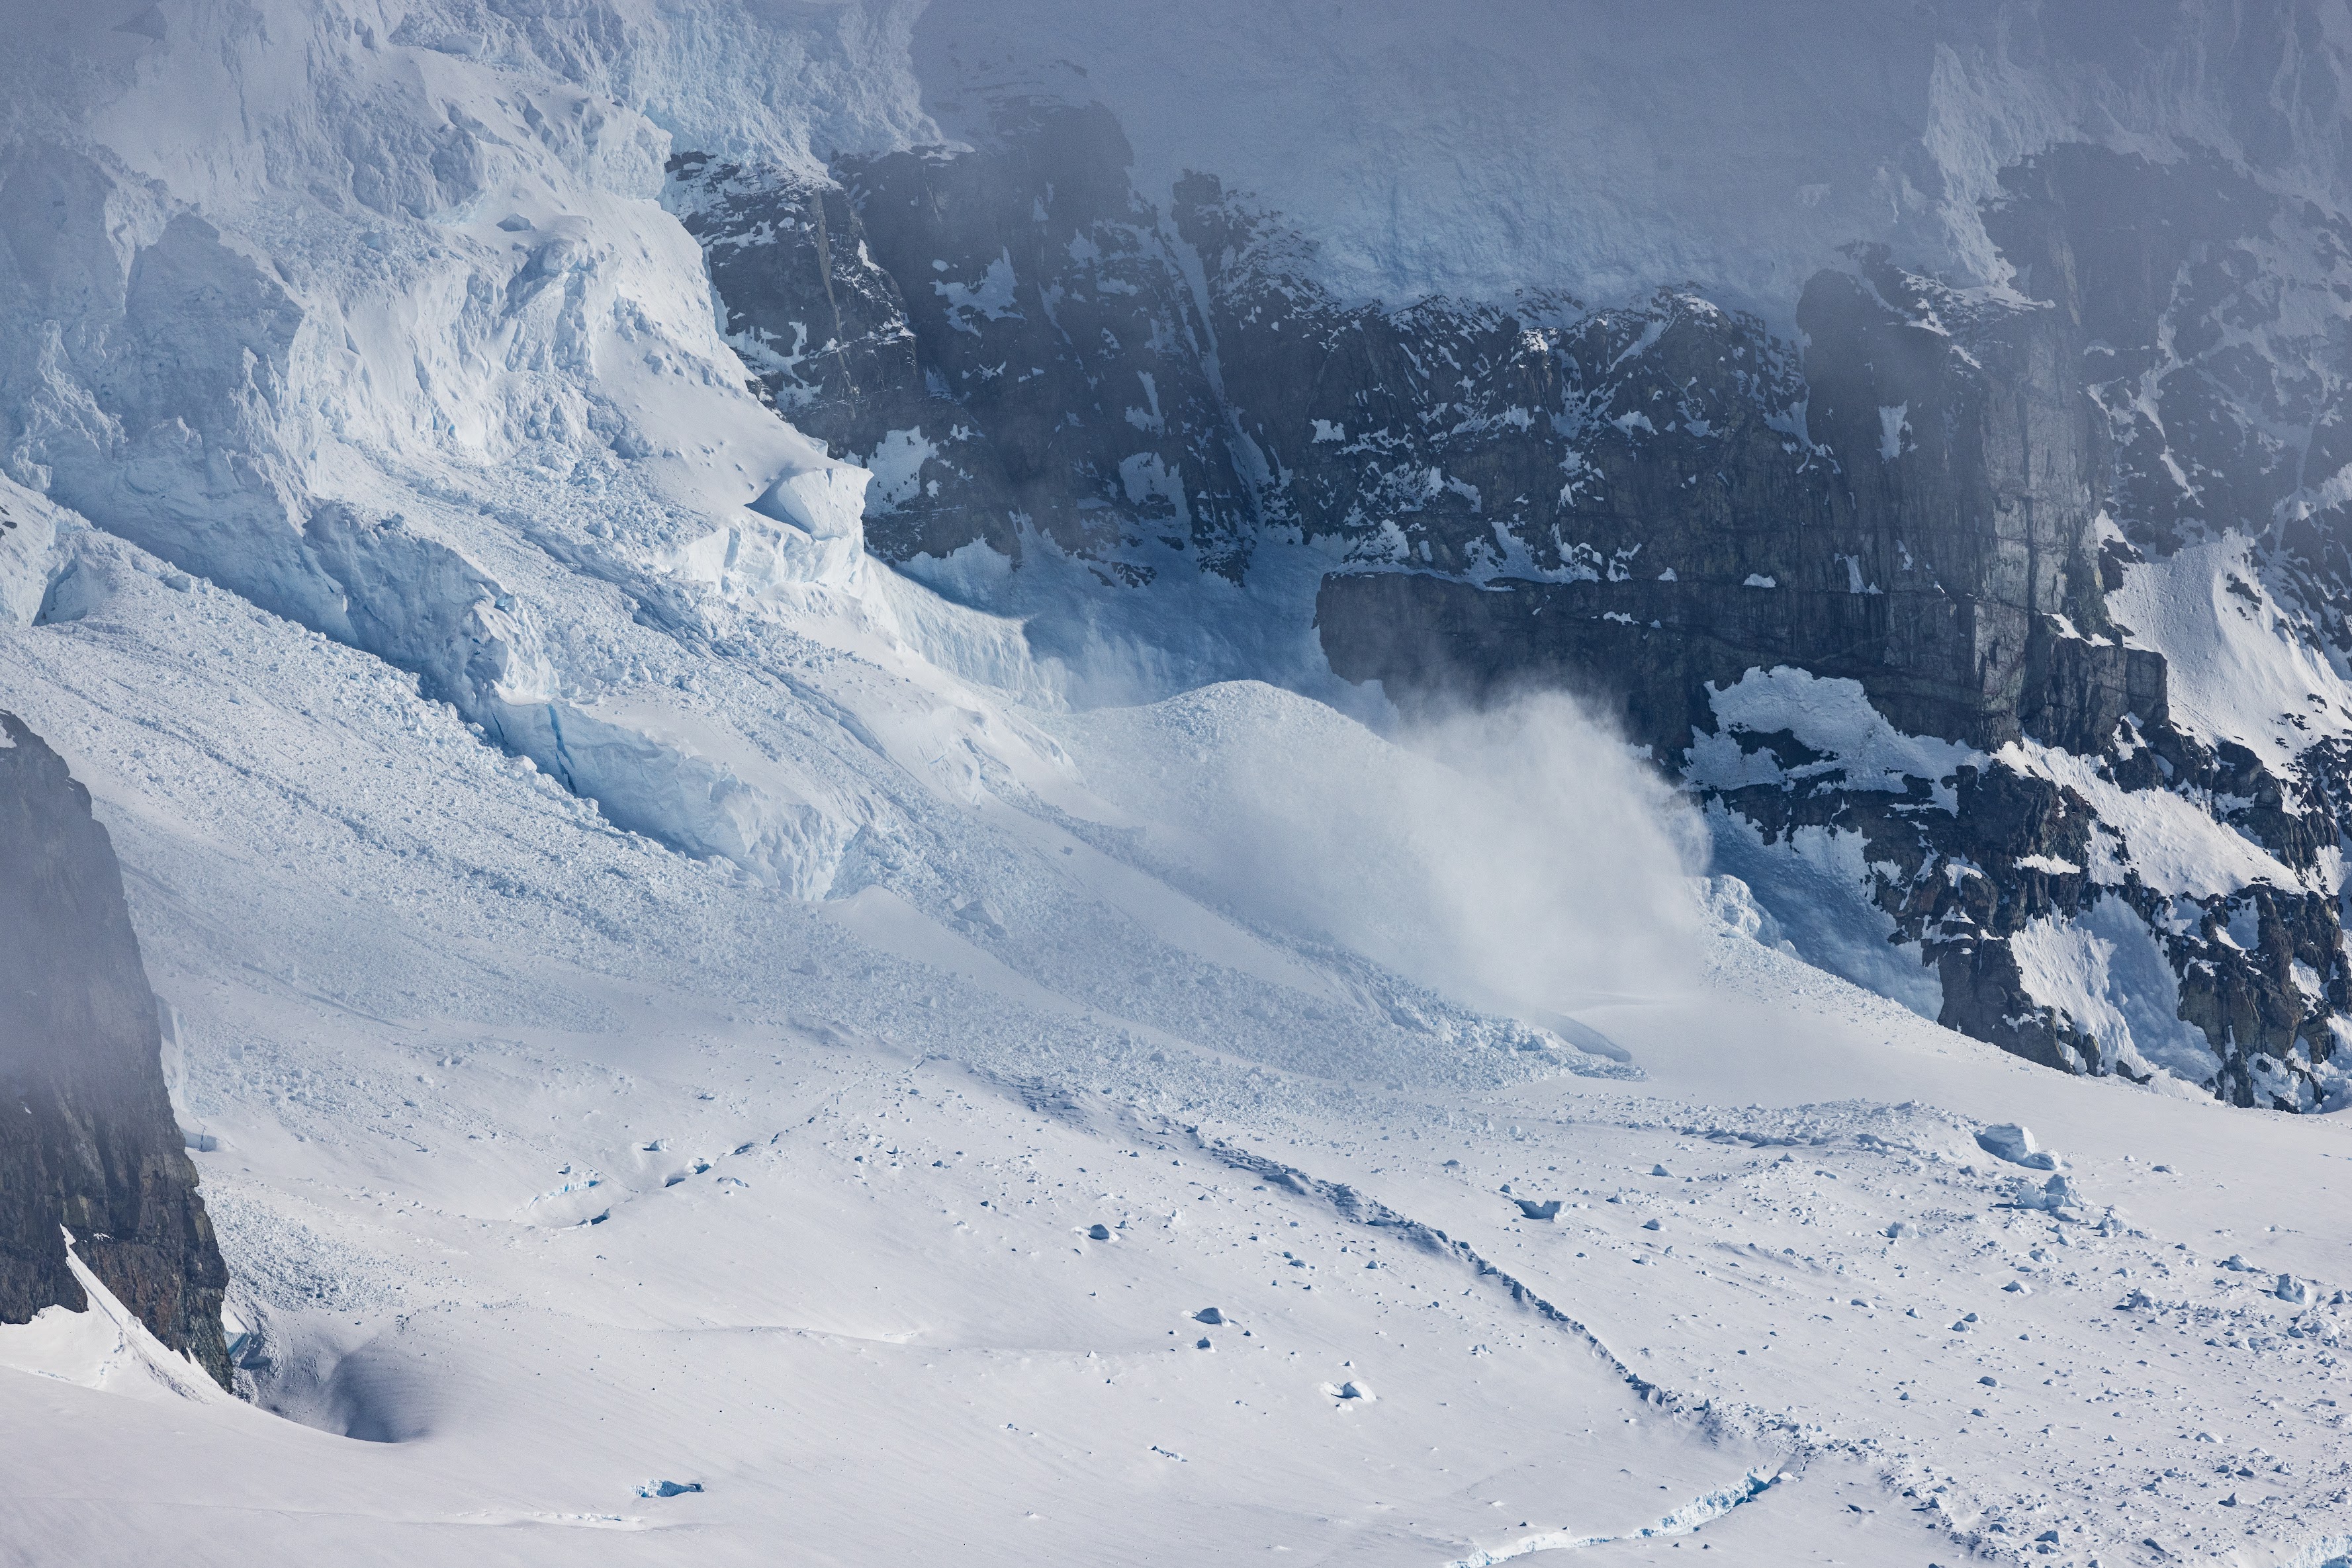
[[91, 1143], [1915, 522], [1932, 499], [1006, 339], [1981, 508], [2211, 335]]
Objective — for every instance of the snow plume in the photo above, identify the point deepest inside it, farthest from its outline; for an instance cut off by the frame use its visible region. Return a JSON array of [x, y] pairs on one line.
[[1516, 858]]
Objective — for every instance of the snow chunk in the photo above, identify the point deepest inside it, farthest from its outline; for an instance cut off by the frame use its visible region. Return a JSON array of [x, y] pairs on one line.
[[2055, 1193], [2013, 1141]]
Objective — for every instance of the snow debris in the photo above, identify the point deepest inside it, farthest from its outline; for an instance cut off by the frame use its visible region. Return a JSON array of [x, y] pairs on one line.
[[2013, 1141]]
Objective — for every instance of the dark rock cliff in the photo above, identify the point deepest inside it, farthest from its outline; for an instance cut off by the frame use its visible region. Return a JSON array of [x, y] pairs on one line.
[[1006, 338], [89, 1144], [1931, 495]]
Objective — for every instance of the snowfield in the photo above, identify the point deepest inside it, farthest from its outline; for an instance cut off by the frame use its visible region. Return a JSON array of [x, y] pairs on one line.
[[702, 1049], [553, 1165]]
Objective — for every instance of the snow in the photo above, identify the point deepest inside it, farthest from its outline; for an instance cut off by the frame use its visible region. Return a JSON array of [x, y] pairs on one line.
[[2049, 865], [854, 1324], [990, 299], [2237, 668], [2102, 971], [1893, 421], [896, 463], [457, 444], [104, 1345], [2175, 846], [663, 1001], [889, 924], [2106, 973], [1820, 886], [1832, 717]]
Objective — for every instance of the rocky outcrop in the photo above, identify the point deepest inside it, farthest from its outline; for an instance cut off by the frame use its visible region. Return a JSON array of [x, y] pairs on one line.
[[90, 1145], [1917, 518], [1006, 337]]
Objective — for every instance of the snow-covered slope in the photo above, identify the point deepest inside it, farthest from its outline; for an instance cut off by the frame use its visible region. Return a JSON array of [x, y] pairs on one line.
[[552, 1165], [694, 1040]]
